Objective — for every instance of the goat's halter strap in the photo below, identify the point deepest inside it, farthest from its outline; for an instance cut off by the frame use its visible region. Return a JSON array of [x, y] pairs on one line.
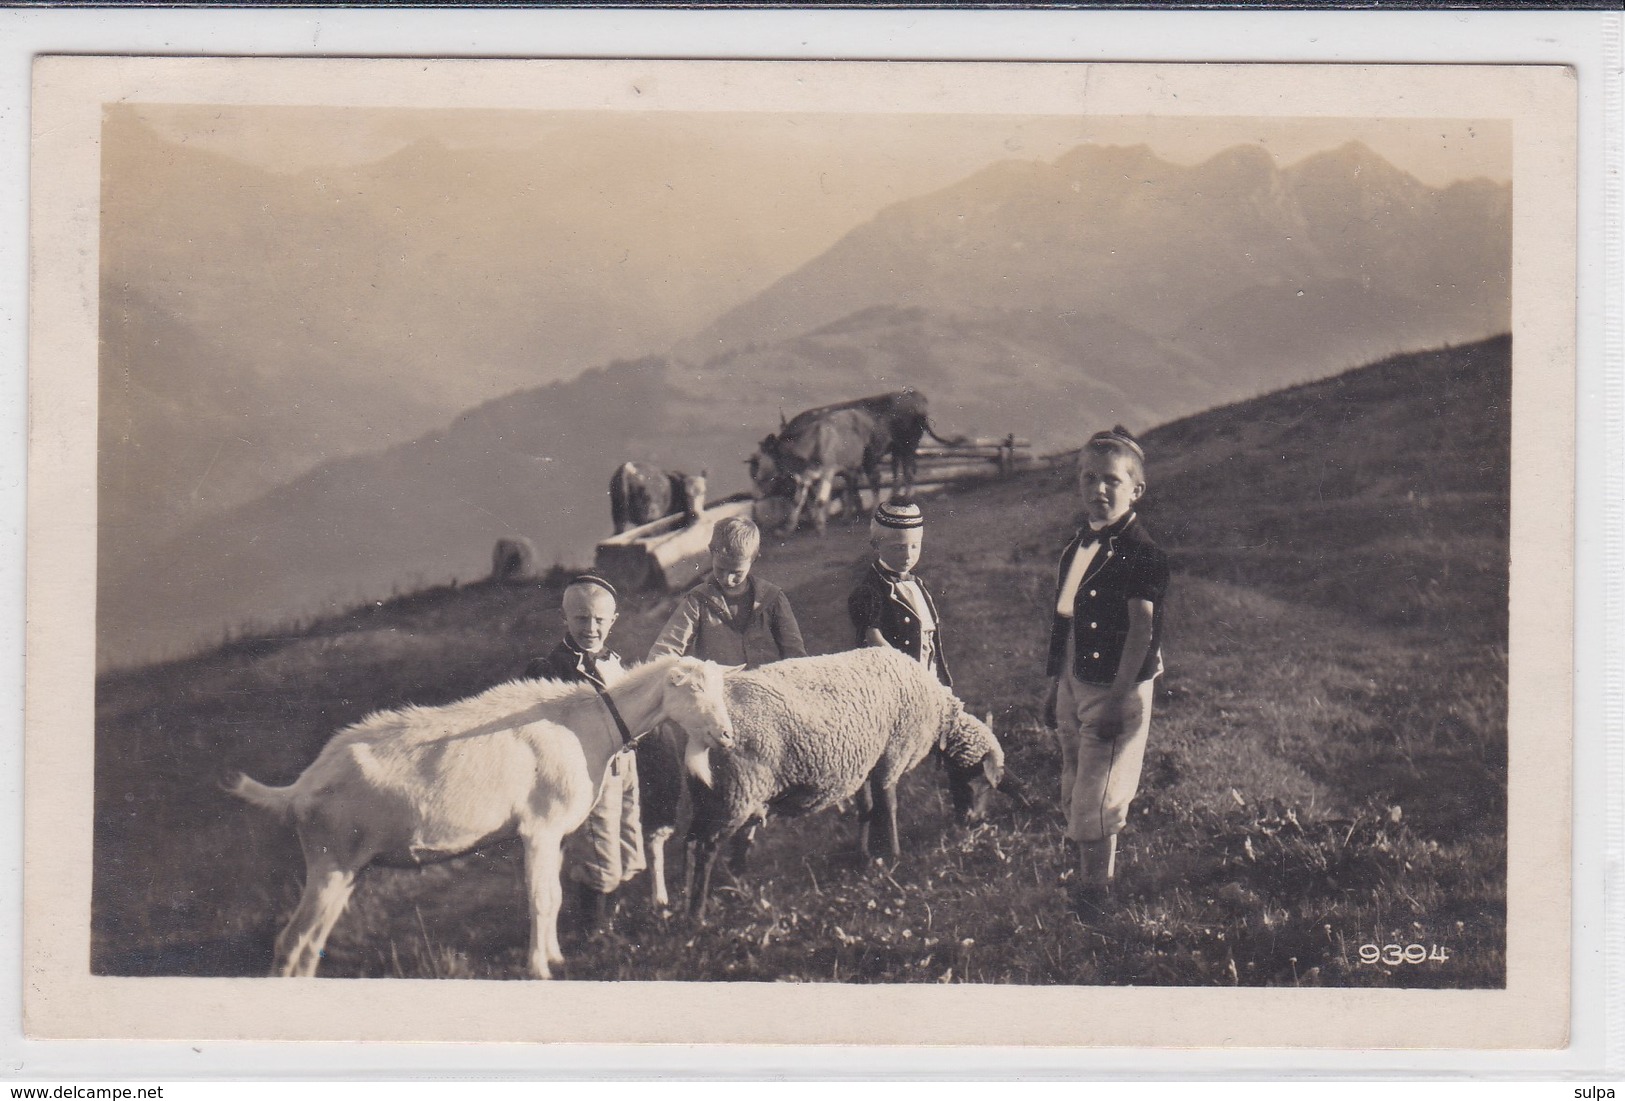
[[615, 713]]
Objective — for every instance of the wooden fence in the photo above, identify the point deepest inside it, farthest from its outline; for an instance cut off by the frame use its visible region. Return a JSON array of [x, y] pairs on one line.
[[671, 554]]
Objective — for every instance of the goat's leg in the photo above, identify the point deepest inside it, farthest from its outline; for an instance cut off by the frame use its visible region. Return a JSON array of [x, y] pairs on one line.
[[656, 846], [544, 864], [299, 946]]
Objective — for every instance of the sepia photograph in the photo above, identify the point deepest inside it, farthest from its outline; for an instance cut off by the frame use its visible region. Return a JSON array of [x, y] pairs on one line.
[[932, 531]]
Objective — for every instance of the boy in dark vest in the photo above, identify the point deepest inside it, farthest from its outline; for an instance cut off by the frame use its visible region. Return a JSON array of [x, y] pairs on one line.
[[608, 849], [1105, 652], [890, 606]]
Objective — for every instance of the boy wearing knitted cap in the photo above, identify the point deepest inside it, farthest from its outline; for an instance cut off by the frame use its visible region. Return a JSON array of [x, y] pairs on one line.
[[890, 606], [608, 849], [1105, 652]]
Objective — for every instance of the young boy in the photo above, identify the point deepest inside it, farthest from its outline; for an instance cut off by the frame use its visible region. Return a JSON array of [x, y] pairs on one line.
[[890, 605], [730, 617], [608, 849], [1104, 655]]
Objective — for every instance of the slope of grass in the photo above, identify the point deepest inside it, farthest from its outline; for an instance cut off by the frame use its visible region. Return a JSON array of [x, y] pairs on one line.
[[1326, 769]]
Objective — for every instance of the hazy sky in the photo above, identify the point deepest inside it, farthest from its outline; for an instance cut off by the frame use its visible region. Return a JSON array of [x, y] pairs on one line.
[[810, 177]]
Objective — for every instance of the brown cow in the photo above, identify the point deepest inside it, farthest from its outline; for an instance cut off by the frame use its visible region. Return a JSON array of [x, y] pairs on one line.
[[641, 493], [847, 439]]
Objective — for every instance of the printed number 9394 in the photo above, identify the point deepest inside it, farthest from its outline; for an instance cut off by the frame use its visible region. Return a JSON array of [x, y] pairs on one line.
[[1396, 954]]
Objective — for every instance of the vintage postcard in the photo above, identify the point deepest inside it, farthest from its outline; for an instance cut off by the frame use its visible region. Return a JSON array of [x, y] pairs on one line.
[[801, 552]]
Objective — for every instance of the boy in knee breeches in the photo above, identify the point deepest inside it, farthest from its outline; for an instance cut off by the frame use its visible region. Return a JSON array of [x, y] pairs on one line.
[[608, 849], [1104, 655]]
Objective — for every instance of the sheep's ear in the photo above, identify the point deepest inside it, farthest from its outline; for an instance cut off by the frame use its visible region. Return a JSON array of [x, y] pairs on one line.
[[993, 770]]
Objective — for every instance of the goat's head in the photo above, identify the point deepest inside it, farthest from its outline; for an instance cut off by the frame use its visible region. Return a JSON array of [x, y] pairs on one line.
[[976, 766], [694, 699]]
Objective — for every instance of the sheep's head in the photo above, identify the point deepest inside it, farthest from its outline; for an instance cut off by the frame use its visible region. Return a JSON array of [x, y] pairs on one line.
[[695, 701], [975, 766]]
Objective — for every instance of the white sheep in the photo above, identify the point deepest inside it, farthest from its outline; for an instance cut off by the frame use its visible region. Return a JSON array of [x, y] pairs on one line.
[[810, 732], [423, 784]]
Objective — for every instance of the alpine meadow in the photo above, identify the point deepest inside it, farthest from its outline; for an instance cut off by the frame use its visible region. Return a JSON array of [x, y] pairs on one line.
[[1324, 799], [369, 378]]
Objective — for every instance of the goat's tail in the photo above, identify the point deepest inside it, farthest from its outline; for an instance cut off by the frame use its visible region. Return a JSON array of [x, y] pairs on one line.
[[279, 801]]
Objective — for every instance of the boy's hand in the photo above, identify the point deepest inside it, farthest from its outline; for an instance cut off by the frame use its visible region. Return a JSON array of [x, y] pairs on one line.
[[1111, 719], [1051, 696]]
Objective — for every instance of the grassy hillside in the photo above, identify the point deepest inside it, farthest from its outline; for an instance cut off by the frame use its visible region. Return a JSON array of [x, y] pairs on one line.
[[1326, 769]]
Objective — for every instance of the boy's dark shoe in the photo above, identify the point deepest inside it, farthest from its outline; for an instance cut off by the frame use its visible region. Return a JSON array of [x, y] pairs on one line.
[[1089, 902]]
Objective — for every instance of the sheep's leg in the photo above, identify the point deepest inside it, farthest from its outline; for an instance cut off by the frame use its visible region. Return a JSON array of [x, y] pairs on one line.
[[886, 795], [866, 811], [740, 845], [544, 865], [327, 891], [702, 858]]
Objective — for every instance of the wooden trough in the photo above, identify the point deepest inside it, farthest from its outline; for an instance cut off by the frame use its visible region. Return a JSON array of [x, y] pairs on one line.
[[667, 553]]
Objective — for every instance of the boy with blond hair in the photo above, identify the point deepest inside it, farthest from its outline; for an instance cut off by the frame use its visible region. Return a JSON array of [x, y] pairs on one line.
[[608, 849], [1105, 653], [732, 617]]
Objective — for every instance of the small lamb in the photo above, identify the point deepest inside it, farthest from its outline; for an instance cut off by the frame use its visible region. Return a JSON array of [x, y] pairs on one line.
[[810, 732]]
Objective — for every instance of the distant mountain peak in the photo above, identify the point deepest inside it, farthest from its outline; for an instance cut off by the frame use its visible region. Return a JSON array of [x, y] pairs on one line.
[[1097, 158], [1359, 163]]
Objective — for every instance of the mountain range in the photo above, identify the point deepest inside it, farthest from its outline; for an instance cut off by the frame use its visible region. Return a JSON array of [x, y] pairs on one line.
[[1040, 299]]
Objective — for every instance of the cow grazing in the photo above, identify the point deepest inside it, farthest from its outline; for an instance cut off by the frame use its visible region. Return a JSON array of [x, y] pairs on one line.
[[847, 439], [524, 759], [641, 493]]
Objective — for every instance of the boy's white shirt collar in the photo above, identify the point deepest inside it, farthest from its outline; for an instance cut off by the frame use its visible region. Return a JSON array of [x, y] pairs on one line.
[[1083, 560]]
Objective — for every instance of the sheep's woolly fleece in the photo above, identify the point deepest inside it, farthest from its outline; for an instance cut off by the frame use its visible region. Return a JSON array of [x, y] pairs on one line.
[[815, 728]]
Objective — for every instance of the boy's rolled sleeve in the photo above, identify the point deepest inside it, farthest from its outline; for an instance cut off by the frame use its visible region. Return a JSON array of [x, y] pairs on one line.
[[677, 637]]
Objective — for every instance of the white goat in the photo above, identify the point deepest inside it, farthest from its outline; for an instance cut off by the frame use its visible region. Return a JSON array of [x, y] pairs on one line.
[[422, 784]]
